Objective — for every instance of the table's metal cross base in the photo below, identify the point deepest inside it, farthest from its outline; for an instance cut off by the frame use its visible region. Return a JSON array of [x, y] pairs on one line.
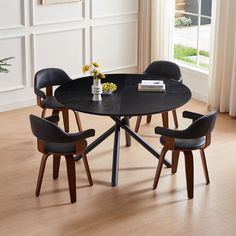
[[124, 124]]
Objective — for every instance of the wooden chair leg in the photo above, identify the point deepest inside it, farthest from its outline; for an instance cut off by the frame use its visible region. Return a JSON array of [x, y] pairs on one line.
[[189, 172], [165, 119], [175, 160], [159, 167], [138, 121], [149, 118], [55, 112], [65, 114], [70, 164], [41, 173], [86, 165], [174, 113], [56, 165], [78, 121], [204, 164], [43, 112]]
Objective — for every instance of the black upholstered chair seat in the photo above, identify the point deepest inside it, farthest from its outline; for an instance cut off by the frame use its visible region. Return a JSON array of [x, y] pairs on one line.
[[191, 144], [60, 147], [52, 103]]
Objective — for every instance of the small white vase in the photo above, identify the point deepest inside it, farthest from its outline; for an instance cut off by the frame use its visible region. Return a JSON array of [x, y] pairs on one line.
[[97, 90]]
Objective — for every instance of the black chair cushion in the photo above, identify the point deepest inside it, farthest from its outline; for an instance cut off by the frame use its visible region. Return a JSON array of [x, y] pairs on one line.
[[52, 103], [192, 144], [59, 147]]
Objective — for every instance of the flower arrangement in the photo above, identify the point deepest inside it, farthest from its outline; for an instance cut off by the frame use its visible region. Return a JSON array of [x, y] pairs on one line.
[[108, 87], [4, 63], [93, 70]]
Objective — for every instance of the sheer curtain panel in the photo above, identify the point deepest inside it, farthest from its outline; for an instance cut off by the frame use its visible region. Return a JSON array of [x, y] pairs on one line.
[[144, 34], [162, 13], [222, 77], [155, 31]]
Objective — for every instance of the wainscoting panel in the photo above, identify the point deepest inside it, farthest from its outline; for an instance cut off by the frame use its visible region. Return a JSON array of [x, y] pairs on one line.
[[113, 7], [66, 36], [12, 14], [115, 45], [57, 13], [61, 49], [14, 46]]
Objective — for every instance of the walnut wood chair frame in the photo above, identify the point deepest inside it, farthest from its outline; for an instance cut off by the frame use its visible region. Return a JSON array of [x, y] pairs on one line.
[[169, 70], [52, 140], [46, 79], [196, 136]]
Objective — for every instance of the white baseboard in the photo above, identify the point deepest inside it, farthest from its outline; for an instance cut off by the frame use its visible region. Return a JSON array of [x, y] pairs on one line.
[[17, 105], [198, 96]]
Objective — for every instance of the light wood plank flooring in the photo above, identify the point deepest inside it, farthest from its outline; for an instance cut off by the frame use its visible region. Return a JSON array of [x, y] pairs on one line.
[[132, 208]]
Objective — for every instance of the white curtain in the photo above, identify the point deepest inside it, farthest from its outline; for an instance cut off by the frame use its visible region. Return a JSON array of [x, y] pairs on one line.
[[144, 34], [162, 29], [155, 31], [222, 77]]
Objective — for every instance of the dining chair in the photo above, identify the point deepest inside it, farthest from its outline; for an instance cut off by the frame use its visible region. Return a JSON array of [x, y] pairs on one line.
[[168, 70], [196, 137], [52, 140], [45, 79]]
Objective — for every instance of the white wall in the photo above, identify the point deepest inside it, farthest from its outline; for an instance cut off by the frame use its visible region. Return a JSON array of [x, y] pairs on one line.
[[197, 81], [66, 36]]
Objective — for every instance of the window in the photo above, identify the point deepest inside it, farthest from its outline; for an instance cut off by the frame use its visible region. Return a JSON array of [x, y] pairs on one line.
[[191, 40]]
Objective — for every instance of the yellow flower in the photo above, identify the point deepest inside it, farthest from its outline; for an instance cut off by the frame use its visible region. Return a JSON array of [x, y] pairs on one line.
[[101, 75], [95, 64], [93, 70], [86, 68]]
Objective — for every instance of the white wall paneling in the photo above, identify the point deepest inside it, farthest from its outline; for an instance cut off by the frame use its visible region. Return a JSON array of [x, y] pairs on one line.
[[64, 35], [57, 13], [45, 2], [197, 81], [115, 45], [12, 14], [110, 8], [61, 49], [13, 47]]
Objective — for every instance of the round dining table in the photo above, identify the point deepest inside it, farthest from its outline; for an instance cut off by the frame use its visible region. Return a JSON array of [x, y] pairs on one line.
[[122, 104]]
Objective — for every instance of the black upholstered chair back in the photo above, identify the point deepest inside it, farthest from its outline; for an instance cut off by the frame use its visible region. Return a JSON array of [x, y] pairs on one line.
[[50, 77], [167, 69], [47, 131], [202, 126]]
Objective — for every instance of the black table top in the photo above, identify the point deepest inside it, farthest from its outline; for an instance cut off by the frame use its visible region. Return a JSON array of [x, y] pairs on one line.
[[126, 100]]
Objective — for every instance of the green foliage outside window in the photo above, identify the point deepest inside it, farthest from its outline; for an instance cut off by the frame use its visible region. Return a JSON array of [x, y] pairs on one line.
[[182, 21], [184, 53]]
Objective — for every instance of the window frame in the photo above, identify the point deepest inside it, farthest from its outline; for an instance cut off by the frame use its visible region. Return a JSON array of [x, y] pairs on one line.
[[190, 66]]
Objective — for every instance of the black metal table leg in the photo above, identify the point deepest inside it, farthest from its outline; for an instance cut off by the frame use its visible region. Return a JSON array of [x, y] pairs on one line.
[[139, 139], [127, 135], [116, 155], [124, 123], [97, 141]]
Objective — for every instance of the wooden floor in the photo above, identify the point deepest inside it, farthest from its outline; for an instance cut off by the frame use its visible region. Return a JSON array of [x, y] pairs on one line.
[[132, 208]]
